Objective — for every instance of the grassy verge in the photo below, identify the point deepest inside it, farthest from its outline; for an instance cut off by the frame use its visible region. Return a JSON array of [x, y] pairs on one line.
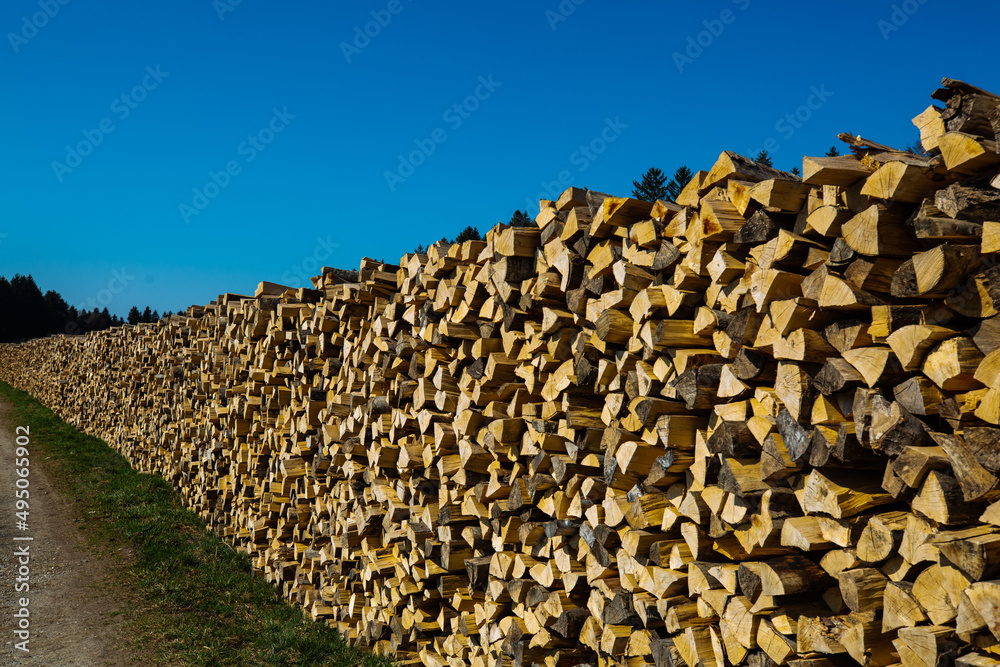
[[199, 601]]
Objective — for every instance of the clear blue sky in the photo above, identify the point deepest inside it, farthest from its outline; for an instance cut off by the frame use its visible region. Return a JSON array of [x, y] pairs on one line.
[[308, 118]]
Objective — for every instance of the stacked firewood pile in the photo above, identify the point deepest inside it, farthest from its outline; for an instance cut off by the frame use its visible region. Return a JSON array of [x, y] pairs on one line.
[[757, 425]]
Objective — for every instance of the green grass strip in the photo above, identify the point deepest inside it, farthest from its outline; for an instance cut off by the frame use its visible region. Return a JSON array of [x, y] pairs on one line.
[[201, 603]]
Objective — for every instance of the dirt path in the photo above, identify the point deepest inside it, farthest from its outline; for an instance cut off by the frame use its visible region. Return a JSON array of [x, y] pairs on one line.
[[74, 620]]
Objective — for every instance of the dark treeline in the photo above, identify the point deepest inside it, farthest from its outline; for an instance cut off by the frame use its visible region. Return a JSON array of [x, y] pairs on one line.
[[31, 314]]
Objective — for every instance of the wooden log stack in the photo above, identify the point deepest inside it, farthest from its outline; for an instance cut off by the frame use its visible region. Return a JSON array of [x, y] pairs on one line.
[[757, 425]]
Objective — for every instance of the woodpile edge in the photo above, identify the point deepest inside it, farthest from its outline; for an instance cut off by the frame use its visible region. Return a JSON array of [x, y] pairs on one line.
[[757, 425]]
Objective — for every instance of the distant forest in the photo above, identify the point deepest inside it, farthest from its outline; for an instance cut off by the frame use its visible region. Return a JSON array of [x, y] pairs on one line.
[[32, 314]]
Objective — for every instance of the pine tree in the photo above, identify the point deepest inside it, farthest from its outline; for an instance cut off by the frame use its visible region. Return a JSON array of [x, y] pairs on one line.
[[92, 320], [89, 319], [520, 219], [7, 324], [30, 306], [833, 152], [470, 233], [917, 147], [652, 187], [796, 171], [134, 316], [156, 317], [681, 178], [58, 311], [764, 158]]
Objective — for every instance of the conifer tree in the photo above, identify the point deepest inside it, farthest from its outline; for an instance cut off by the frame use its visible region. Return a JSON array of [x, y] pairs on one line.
[[470, 233], [681, 178], [521, 219], [652, 187]]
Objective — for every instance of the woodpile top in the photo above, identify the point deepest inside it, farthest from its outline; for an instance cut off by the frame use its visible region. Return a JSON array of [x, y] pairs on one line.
[[757, 425]]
